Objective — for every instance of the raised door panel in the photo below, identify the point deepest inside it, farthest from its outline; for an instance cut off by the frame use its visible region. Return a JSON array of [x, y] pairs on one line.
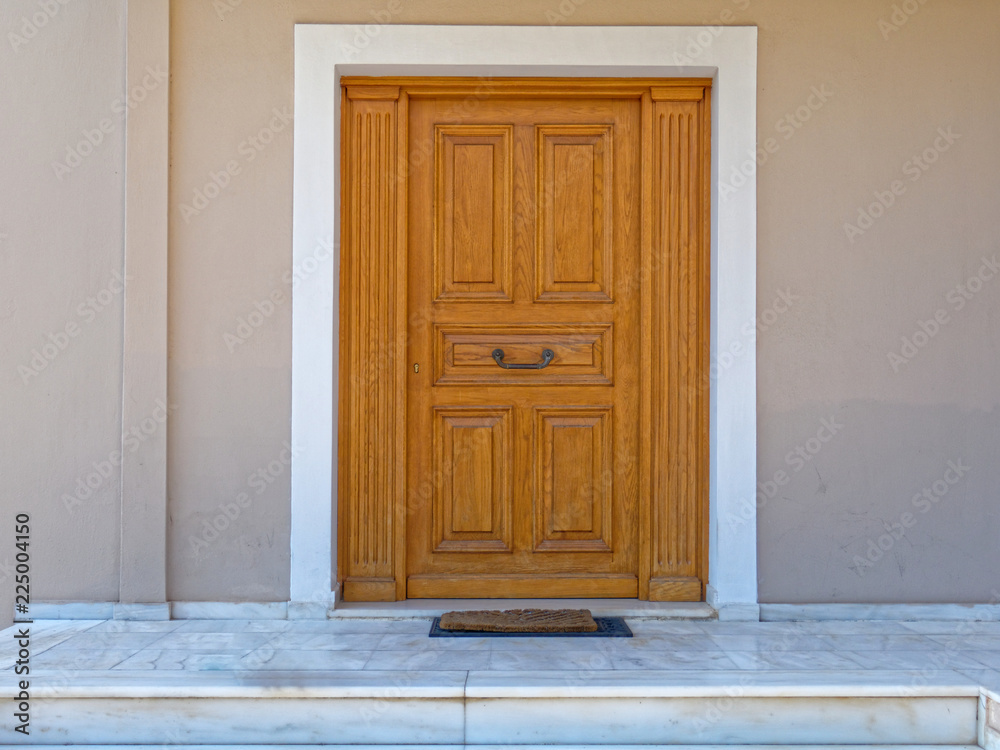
[[472, 487], [582, 353], [573, 479], [472, 198], [574, 199]]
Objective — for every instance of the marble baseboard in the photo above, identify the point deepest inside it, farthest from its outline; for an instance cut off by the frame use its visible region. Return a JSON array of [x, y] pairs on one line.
[[229, 610], [71, 611], [323, 610], [98, 611], [410, 609], [899, 612], [732, 611], [169, 610], [739, 612], [310, 610], [158, 611]]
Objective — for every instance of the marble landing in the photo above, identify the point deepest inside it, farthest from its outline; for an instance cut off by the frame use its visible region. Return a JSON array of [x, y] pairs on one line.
[[353, 681]]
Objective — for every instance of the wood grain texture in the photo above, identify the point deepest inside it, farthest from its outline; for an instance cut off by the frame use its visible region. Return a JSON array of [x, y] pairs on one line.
[[470, 91], [679, 341], [466, 205], [472, 234], [472, 497], [528, 586], [677, 589], [647, 363], [370, 481], [678, 93], [583, 353], [575, 193], [574, 479], [367, 589], [376, 92], [574, 483]]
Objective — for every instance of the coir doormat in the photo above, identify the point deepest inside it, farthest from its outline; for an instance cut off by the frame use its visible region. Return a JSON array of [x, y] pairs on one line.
[[528, 622]]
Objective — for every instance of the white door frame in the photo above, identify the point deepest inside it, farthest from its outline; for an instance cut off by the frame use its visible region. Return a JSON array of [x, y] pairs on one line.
[[323, 53]]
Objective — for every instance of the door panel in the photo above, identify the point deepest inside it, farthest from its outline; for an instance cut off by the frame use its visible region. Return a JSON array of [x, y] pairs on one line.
[[582, 353], [472, 499], [573, 479], [544, 493], [472, 198], [575, 187]]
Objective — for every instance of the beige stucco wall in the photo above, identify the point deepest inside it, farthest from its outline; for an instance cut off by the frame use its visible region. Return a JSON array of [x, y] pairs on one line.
[[882, 100], [61, 78], [831, 310]]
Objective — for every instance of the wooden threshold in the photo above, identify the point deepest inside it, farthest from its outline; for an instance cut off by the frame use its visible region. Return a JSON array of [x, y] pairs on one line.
[[529, 587]]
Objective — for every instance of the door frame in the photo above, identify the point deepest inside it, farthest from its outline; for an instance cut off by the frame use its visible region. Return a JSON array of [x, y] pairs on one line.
[[725, 54], [673, 295]]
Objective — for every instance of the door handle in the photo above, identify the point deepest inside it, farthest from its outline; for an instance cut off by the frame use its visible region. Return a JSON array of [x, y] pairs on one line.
[[547, 356]]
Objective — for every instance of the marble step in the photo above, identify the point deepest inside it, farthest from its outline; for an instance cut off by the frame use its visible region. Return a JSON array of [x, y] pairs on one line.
[[441, 708], [528, 747]]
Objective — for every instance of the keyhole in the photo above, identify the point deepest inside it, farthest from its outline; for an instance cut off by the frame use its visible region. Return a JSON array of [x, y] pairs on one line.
[[416, 367]]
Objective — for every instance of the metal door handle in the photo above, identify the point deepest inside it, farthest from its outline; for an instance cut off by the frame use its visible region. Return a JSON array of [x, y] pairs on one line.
[[547, 355]]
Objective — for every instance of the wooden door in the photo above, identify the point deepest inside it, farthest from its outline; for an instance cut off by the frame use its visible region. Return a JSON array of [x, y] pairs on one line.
[[524, 339], [523, 238]]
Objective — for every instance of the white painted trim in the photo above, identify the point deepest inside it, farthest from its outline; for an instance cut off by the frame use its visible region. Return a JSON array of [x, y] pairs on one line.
[[314, 321], [898, 612], [143, 560], [727, 54]]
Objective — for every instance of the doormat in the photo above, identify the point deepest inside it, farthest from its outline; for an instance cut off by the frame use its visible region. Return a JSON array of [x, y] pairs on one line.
[[528, 622]]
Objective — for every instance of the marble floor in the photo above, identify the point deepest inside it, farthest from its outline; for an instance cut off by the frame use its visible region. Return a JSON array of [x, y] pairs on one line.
[[967, 649]]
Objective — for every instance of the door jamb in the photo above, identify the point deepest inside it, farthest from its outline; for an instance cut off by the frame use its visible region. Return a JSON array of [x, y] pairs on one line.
[[323, 52]]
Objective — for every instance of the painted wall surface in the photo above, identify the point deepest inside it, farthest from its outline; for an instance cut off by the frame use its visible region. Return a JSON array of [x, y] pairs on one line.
[[860, 102], [878, 285], [61, 194]]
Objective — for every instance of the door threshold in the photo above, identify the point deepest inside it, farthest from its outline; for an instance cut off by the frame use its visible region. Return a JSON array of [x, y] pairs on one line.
[[415, 608]]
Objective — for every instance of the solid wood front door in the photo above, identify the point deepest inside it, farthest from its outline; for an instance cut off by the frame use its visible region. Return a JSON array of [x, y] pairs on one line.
[[523, 240], [524, 330]]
